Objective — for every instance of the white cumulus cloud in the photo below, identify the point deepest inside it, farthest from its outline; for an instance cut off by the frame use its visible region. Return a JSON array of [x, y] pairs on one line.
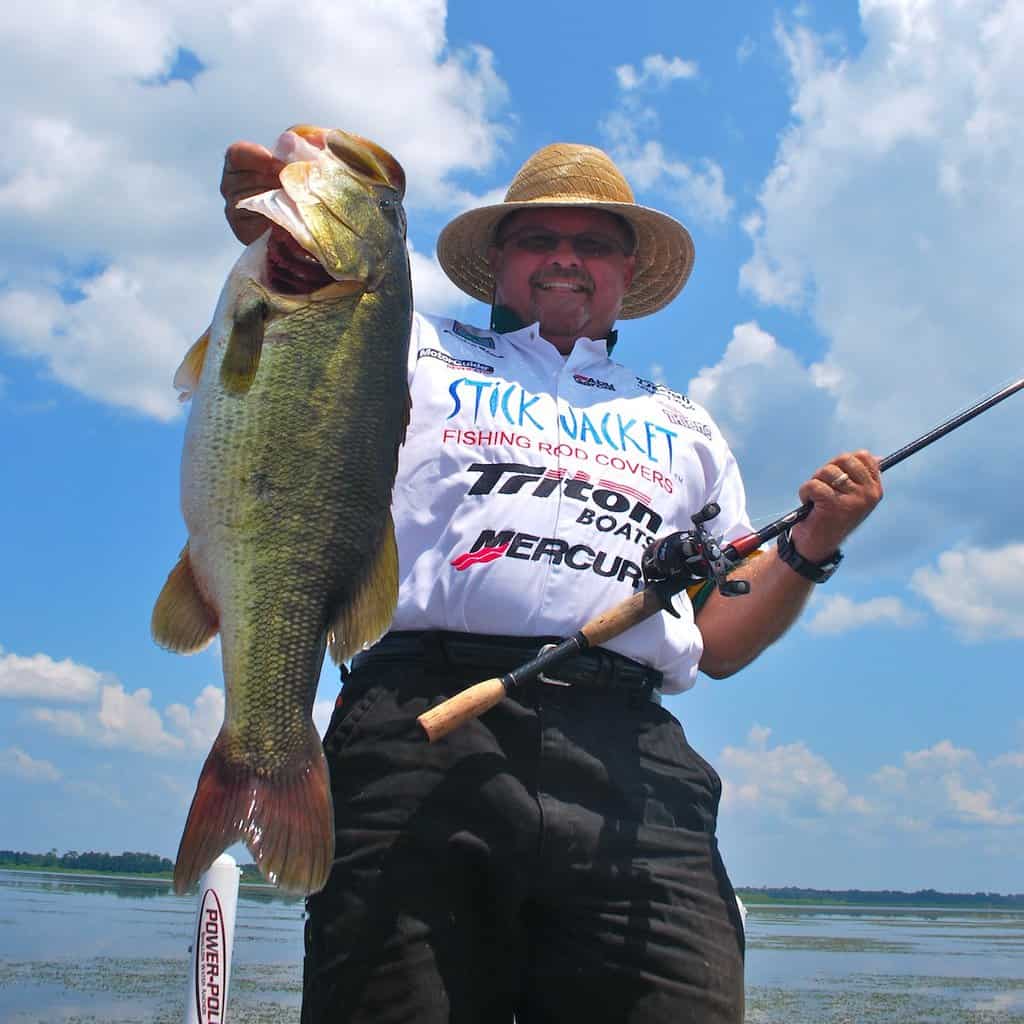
[[198, 725], [752, 392], [39, 677], [434, 292], [121, 719], [785, 779], [980, 592], [943, 788], [114, 245], [114, 717], [655, 69], [941, 794], [696, 186], [838, 614], [890, 216]]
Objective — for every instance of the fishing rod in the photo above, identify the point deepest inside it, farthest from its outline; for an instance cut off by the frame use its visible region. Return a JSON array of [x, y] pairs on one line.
[[670, 565]]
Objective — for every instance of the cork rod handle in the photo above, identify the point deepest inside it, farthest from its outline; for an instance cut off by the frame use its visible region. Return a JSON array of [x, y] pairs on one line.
[[626, 614], [461, 708]]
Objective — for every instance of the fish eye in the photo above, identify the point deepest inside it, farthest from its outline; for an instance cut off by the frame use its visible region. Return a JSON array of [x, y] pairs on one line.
[[385, 204]]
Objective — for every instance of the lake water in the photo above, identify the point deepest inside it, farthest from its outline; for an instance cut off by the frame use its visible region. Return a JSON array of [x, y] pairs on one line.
[[84, 950]]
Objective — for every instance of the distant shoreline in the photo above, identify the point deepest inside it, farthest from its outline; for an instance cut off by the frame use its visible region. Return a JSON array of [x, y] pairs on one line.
[[930, 899], [155, 876], [751, 896]]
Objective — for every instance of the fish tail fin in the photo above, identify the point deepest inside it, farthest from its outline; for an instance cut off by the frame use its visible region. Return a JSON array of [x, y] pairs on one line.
[[285, 818], [367, 618], [182, 620]]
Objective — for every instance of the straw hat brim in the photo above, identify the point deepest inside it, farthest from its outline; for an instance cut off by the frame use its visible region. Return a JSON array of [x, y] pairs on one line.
[[664, 251]]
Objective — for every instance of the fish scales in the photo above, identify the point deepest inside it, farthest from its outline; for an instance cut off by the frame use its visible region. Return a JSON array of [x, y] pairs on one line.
[[264, 474], [299, 405]]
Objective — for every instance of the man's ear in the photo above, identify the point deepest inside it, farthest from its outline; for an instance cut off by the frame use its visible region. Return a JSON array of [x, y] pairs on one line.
[[493, 258]]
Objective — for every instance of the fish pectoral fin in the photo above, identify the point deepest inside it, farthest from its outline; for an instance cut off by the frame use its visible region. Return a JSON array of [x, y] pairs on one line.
[[367, 617], [186, 377], [284, 817], [245, 343], [182, 621]]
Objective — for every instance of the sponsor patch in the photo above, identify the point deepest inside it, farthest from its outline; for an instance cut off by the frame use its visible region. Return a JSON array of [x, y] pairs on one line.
[[491, 545], [592, 382], [606, 505], [686, 421], [473, 337], [662, 391], [451, 362]]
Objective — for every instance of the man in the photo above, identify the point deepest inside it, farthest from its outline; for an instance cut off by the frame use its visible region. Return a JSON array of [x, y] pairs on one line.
[[556, 859]]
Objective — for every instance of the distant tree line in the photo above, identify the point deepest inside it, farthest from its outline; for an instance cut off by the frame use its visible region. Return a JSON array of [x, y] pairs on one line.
[[883, 897], [127, 862]]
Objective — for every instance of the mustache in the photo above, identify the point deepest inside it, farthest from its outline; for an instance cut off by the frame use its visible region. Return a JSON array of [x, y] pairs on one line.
[[547, 275]]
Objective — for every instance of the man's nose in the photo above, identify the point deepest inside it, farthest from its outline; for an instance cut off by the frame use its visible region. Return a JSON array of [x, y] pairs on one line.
[[564, 253]]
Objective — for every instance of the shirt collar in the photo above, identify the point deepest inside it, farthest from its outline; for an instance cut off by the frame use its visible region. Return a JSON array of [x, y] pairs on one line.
[[504, 321]]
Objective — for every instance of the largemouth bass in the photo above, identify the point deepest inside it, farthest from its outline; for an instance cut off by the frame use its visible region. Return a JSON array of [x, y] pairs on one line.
[[299, 406]]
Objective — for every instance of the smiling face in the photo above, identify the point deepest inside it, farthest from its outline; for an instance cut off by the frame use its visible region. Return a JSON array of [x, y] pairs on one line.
[[570, 294]]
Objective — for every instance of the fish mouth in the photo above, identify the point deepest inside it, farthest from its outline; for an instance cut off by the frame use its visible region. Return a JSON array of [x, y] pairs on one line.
[[297, 263], [290, 269]]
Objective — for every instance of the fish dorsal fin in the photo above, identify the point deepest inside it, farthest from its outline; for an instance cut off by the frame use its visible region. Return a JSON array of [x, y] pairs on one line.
[[366, 618], [245, 343], [186, 377]]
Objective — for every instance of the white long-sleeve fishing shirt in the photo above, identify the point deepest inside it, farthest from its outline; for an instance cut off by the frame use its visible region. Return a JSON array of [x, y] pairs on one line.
[[530, 483]]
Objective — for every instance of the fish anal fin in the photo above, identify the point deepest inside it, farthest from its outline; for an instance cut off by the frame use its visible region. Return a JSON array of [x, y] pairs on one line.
[[245, 343], [367, 618], [182, 620], [284, 817], [186, 377]]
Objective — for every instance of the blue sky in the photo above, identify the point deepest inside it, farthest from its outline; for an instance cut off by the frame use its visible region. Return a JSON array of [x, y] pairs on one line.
[[851, 179]]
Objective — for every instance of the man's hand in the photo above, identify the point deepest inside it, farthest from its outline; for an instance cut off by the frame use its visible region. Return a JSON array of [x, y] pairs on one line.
[[248, 170], [844, 492], [737, 629]]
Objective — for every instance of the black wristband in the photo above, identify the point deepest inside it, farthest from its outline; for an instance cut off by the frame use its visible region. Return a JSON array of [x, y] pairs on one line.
[[816, 572]]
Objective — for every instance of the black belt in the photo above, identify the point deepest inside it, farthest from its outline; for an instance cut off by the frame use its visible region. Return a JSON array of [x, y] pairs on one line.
[[595, 669]]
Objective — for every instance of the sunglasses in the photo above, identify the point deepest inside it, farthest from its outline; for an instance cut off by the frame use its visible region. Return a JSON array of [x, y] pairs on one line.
[[586, 245]]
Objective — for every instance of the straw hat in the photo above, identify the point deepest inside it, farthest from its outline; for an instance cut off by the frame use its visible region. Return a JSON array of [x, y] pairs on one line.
[[567, 174]]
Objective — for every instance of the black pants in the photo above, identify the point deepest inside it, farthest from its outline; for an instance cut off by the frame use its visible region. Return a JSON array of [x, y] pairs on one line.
[[555, 860]]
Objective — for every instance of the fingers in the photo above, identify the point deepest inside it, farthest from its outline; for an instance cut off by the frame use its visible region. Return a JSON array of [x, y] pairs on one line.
[[248, 170], [843, 492], [846, 475]]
